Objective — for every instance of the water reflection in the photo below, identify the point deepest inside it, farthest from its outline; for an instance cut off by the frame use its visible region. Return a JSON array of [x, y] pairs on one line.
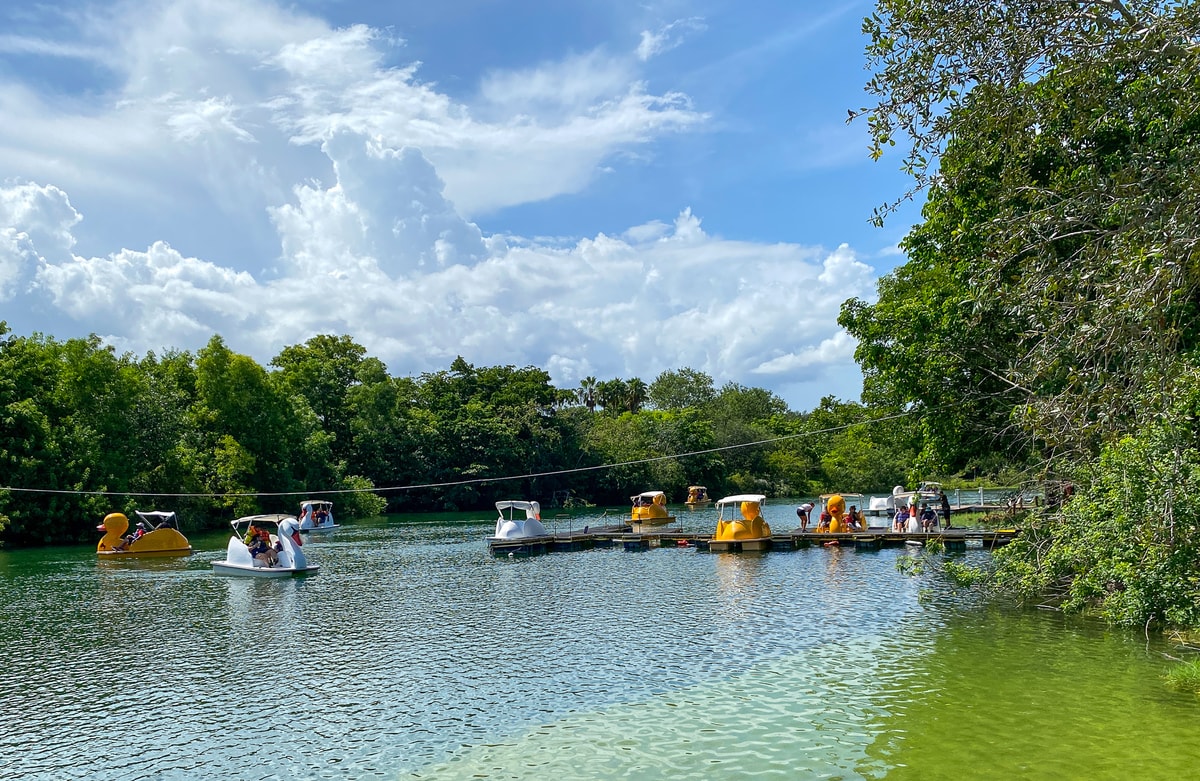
[[416, 652]]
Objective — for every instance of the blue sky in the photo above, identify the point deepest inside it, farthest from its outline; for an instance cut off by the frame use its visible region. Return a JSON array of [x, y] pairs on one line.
[[598, 188]]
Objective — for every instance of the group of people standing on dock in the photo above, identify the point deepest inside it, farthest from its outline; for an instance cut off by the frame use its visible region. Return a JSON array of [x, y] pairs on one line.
[[907, 518], [910, 519]]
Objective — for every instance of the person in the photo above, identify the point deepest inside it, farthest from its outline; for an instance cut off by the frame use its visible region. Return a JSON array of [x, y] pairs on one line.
[[140, 532], [854, 519], [901, 519], [261, 549], [945, 500], [928, 518], [823, 521], [802, 511]]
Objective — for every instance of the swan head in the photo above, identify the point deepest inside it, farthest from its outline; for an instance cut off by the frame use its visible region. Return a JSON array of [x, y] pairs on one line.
[[291, 528]]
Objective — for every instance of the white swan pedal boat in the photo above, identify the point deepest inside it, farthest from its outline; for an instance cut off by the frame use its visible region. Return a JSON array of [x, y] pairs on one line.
[[281, 533], [511, 526], [316, 515]]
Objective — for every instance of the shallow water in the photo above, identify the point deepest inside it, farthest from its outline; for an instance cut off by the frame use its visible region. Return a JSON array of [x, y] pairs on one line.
[[416, 654]]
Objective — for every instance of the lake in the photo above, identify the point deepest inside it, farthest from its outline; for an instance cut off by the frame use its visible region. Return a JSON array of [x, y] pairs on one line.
[[416, 654]]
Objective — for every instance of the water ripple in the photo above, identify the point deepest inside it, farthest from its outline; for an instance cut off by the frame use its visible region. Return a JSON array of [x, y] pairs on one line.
[[415, 653]]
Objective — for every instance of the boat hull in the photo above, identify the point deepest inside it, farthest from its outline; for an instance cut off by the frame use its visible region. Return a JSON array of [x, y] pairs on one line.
[[319, 529], [242, 570], [664, 521], [140, 554]]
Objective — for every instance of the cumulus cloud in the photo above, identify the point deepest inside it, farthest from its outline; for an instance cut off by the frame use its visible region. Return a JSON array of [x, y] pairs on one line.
[[232, 118], [658, 297]]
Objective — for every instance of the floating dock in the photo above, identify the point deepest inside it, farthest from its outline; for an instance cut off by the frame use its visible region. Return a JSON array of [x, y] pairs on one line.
[[872, 539]]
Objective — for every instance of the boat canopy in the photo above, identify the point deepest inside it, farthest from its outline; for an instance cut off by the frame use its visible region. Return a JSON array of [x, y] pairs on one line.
[[275, 518], [531, 509], [646, 495], [739, 498], [157, 518]]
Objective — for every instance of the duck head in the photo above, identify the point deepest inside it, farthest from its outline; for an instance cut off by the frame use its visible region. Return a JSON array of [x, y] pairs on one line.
[[114, 527]]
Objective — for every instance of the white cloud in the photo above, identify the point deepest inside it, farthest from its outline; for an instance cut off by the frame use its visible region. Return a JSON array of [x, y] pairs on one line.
[[232, 118], [634, 306], [667, 37]]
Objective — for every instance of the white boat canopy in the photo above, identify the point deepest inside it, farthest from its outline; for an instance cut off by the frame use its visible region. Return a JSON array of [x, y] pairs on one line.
[[739, 498], [517, 504], [647, 495], [158, 517]]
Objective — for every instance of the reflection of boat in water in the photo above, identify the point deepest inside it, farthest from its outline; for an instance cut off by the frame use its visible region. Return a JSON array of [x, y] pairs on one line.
[[650, 509], [749, 532], [157, 534], [697, 497], [842, 513], [316, 515], [277, 555], [511, 526]]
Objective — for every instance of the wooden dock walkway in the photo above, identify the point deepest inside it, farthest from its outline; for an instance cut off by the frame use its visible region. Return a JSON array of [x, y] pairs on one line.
[[872, 539]]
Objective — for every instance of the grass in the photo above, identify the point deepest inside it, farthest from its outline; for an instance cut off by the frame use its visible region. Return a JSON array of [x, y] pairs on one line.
[[1185, 676]]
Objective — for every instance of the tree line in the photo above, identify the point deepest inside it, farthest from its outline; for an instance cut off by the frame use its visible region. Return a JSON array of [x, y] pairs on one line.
[[85, 431], [1047, 310]]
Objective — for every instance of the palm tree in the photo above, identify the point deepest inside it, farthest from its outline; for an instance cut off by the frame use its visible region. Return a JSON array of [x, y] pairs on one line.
[[611, 395], [635, 394], [587, 393]]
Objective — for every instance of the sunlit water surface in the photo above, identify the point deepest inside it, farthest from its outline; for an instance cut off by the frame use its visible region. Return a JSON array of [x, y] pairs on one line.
[[416, 654]]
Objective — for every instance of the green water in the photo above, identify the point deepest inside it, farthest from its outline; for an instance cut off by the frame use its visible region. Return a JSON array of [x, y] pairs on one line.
[[416, 654]]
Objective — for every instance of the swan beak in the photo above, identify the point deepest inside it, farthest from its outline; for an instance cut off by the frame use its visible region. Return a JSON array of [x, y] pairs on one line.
[[296, 538]]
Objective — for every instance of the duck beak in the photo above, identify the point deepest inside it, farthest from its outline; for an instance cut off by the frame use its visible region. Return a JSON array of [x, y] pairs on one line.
[[101, 528]]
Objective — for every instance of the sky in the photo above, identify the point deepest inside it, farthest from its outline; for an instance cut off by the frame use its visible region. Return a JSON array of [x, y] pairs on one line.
[[600, 188]]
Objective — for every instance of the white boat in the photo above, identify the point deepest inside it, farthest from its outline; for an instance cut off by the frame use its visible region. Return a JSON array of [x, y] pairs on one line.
[[316, 515], [285, 557], [512, 526], [927, 492]]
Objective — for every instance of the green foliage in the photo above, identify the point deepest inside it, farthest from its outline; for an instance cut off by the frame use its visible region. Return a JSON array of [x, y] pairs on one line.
[[1184, 676], [1048, 307], [1127, 548], [361, 503]]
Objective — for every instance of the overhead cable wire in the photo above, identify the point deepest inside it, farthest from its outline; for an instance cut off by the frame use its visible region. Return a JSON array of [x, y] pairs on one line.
[[453, 483]]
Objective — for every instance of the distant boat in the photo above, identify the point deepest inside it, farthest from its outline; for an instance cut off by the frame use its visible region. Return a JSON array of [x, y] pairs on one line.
[[697, 497], [511, 526], [650, 509], [316, 515], [157, 534]]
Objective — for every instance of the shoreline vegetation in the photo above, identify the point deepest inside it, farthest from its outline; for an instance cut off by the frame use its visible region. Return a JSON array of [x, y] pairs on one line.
[[1042, 330], [1047, 305]]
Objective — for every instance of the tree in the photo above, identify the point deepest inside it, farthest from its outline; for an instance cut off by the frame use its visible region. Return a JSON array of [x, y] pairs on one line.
[[322, 371], [635, 394], [1062, 154], [587, 393], [1060, 148], [611, 395], [681, 389]]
